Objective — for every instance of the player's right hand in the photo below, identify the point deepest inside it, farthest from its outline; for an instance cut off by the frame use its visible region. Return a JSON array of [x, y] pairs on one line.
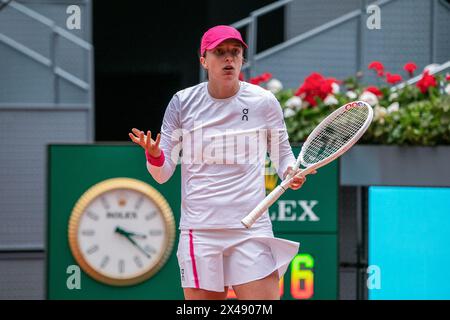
[[146, 141]]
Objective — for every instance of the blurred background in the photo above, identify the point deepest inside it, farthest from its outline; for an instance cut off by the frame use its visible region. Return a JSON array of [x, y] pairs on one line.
[[83, 73]]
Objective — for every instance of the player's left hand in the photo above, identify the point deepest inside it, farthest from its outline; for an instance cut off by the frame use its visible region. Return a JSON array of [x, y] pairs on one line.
[[298, 180]]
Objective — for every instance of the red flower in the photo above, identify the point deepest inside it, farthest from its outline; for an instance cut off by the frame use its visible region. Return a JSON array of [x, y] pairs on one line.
[[266, 77], [255, 80], [377, 66], [426, 82], [333, 80], [261, 78], [375, 91], [315, 86], [447, 77], [393, 78], [410, 67]]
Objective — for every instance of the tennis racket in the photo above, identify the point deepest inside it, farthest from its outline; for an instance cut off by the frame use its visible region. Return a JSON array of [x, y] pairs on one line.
[[337, 133]]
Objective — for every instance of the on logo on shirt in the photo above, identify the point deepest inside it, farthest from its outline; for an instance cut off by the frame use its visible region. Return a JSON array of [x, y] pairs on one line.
[[244, 114]]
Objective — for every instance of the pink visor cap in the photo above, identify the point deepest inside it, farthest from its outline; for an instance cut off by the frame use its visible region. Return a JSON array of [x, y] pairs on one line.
[[216, 35]]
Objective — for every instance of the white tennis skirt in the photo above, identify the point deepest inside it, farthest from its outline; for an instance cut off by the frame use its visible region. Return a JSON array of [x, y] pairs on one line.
[[216, 258]]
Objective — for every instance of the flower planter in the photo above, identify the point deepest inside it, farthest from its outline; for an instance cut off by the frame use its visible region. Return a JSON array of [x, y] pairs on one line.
[[365, 165]]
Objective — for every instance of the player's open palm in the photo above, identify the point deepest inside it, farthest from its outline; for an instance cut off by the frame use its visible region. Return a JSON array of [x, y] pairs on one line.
[[146, 141]]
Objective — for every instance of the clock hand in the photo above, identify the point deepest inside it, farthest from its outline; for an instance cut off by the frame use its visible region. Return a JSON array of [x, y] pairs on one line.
[[137, 235], [127, 233], [138, 246], [128, 237], [120, 231]]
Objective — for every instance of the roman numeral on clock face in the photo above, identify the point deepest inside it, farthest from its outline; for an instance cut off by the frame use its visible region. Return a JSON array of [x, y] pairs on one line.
[[92, 249], [92, 215], [104, 262], [155, 233], [88, 232], [121, 266], [138, 261], [151, 215], [105, 203], [139, 203]]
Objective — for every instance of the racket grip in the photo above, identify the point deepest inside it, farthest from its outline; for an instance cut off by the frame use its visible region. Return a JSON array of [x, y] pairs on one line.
[[250, 219]]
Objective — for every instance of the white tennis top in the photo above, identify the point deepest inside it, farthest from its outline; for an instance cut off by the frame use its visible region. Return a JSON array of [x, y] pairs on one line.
[[223, 145]]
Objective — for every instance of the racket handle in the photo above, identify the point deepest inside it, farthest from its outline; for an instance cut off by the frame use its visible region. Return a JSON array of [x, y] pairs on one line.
[[250, 219]]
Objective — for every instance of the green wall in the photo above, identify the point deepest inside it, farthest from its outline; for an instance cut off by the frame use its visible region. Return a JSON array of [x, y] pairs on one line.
[[72, 169]]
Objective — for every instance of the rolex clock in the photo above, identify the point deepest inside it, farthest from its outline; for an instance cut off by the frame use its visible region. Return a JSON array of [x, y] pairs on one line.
[[121, 231]]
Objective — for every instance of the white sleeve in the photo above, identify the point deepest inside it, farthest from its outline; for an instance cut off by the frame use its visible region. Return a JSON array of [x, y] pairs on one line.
[[170, 143], [278, 146]]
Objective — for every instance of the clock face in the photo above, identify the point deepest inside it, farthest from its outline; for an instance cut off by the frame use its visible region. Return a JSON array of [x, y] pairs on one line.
[[123, 233]]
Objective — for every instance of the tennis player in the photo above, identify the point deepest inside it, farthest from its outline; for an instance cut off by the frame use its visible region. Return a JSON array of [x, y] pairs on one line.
[[223, 129]]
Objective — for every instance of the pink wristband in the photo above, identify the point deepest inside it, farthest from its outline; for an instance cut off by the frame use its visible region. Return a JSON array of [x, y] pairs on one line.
[[157, 162]]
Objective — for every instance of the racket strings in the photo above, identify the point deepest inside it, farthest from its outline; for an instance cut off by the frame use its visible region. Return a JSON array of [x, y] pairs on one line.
[[335, 134], [343, 127], [349, 128]]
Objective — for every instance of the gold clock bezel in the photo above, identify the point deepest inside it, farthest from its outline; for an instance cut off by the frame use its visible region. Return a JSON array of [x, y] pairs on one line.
[[106, 186]]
